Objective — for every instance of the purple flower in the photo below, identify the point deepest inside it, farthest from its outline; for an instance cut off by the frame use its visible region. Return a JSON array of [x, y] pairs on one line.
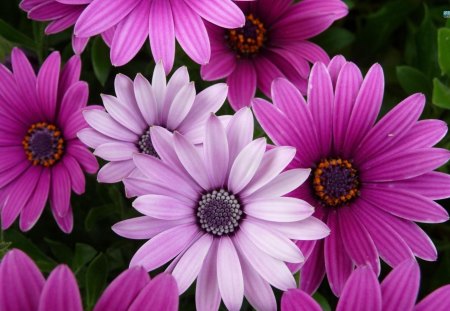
[[62, 14], [370, 181], [273, 43], [40, 155], [23, 287], [126, 127], [220, 211], [398, 291]]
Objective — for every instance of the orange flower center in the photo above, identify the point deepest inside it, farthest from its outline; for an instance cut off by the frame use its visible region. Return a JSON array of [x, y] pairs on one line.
[[248, 40]]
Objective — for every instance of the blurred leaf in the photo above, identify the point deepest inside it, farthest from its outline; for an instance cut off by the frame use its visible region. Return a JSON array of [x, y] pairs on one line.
[[4, 248], [97, 214], [335, 39], [413, 80], [426, 45], [100, 60], [83, 254], [96, 275], [322, 301], [45, 263], [444, 50], [441, 94], [61, 251], [13, 35]]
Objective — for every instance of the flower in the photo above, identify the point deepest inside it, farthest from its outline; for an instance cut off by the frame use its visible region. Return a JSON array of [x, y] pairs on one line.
[[62, 15], [220, 211], [23, 287], [273, 43], [369, 182], [125, 127], [41, 156], [126, 24], [398, 291]]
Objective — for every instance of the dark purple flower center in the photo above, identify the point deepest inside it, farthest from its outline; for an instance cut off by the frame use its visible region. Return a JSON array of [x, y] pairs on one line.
[[219, 212], [43, 144], [248, 40], [145, 144], [335, 182]]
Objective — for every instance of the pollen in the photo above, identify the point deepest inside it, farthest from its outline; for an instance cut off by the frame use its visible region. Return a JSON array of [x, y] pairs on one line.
[[248, 40], [335, 182], [43, 144]]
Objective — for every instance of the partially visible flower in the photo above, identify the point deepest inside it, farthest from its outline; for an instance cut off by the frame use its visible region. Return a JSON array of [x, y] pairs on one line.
[[23, 287], [41, 157], [125, 128], [62, 14], [370, 181], [273, 43], [398, 291], [220, 211]]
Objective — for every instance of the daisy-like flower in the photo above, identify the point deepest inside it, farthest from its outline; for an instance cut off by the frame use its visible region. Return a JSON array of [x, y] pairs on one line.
[[23, 287], [62, 14], [126, 24], [125, 127], [370, 181], [398, 291], [41, 156], [220, 211], [272, 43]]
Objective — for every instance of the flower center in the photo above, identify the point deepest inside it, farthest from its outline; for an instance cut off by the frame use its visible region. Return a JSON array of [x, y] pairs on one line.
[[248, 40], [335, 182], [219, 212], [43, 144], [145, 144]]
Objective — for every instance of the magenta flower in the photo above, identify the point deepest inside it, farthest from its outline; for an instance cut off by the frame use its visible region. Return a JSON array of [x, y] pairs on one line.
[[220, 211], [369, 182], [62, 14], [41, 156], [398, 291], [128, 23], [23, 287], [273, 43], [125, 127]]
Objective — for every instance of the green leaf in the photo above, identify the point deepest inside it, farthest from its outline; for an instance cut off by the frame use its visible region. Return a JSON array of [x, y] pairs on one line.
[[444, 50], [97, 214], [96, 275], [322, 301], [426, 45], [11, 34], [441, 94], [413, 80], [83, 254], [100, 60], [18, 240], [335, 39], [61, 251]]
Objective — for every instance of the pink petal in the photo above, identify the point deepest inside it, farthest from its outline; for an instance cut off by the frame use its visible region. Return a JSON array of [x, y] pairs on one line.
[[156, 206], [242, 84], [282, 209], [298, 300], [436, 301], [225, 14], [207, 295], [60, 190], [47, 84]]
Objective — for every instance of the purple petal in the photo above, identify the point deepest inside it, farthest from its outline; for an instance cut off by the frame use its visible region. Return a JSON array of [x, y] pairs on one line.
[[282, 209], [436, 301], [246, 164], [361, 292], [105, 124], [121, 113], [101, 15], [115, 171], [298, 300], [405, 204], [191, 32], [229, 274], [221, 65], [60, 190], [433, 185], [74, 99], [225, 14], [130, 34], [160, 294], [116, 151], [357, 241], [47, 84], [162, 33], [21, 282], [266, 73], [242, 84], [320, 100], [123, 290], [216, 152], [338, 264], [76, 174], [239, 132], [156, 206], [313, 270], [189, 265], [401, 286], [181, 105], [207, 295]]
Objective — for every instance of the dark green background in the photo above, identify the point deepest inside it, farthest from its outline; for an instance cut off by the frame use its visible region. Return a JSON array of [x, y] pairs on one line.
[[409, 38]]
